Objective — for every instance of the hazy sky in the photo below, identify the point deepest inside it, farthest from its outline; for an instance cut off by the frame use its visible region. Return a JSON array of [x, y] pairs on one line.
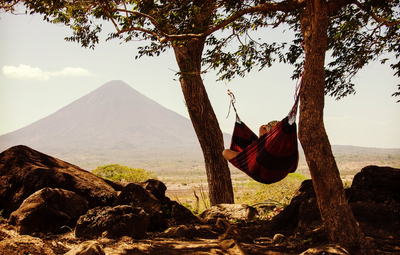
[[41, 73]]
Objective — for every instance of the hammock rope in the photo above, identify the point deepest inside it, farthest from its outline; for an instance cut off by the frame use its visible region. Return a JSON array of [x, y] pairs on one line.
[[271, 157], [232, 103]]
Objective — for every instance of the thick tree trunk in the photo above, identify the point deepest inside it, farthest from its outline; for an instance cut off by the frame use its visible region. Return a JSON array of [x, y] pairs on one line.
[[188, 55], [336, 213]]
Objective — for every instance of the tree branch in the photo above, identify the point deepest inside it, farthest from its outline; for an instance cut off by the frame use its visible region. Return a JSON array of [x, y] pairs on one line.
[[285, 6], [375, 17], [336, 5], [106, 8], [152, 20]]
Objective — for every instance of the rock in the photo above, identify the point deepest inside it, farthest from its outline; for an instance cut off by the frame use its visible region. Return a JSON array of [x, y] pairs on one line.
[[228, 211], [117, 186], [227, 244], [87, 248], [150, 196], [191, 232], [377, 220], [113, 222], [49, 210], [374, 198], [235, 232], [137, 196], [377, 184], [233, 247], [181, 215], [289, 217], [157, 189], [177, 231], [24, 245], [223, 224], [329, 249], [309, 219], [23, 171]]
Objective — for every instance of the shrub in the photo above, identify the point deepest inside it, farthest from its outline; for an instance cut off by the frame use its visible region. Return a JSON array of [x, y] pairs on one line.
[[120, 173]]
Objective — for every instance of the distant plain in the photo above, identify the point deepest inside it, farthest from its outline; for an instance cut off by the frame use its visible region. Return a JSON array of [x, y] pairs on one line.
[[184, 172]]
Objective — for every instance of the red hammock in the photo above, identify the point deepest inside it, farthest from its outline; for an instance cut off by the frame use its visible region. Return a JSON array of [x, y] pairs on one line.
[[271, 157]]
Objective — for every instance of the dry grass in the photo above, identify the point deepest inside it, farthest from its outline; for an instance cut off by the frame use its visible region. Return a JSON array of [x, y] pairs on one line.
[[183, 183]]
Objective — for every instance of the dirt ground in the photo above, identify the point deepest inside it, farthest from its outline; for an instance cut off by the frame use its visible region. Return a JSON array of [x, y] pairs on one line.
[[153, 244], [256, 242]]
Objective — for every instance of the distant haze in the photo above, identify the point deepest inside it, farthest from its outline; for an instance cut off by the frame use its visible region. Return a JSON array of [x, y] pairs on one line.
[[112, 119]]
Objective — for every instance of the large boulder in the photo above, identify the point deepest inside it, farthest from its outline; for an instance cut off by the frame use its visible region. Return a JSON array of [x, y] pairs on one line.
[[137, 196], [288, 219], [150, 196], [49, 210], [113, 222], [23, 171], [377, 220], [376, 184], [373, 198]]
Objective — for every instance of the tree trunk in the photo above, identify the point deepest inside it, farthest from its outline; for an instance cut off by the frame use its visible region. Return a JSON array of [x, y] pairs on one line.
[[188, 55], [339, 222]]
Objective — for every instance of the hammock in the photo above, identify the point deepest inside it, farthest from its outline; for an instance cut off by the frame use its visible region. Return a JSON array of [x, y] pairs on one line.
[[271, 157]]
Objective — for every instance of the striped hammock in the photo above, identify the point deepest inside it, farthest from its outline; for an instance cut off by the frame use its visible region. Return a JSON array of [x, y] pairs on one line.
[[271, 157]]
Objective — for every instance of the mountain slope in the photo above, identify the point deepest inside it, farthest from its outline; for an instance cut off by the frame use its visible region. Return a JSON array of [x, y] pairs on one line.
[[112, 117]]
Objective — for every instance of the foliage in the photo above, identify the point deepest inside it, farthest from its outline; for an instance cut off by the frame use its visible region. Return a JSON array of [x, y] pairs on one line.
[[358, 34], [120, 173]]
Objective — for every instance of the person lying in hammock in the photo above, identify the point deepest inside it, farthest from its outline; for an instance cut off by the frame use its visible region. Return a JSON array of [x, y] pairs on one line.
[[230, 154]]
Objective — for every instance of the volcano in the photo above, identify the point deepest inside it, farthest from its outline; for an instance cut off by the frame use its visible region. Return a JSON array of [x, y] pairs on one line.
[[113, 120]]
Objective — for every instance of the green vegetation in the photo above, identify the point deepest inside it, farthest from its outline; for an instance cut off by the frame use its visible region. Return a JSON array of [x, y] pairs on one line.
[[120, 173], [279, 193], [268, 199]]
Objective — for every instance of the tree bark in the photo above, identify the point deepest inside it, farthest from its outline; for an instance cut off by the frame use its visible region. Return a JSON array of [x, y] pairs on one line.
[[339, 222], [188, 56]]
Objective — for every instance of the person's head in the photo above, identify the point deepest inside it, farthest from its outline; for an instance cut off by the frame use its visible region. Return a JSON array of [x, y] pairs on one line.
[[266, 128]]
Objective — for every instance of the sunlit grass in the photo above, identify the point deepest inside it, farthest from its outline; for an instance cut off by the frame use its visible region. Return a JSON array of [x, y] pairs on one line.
[[246, 191], [280, 192]]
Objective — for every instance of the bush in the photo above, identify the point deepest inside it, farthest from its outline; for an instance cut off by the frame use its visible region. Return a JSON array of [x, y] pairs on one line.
[[120, 173]]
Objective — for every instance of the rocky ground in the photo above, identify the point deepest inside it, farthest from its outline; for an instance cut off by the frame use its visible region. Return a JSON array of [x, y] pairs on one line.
[[52, 207], [259, 242]]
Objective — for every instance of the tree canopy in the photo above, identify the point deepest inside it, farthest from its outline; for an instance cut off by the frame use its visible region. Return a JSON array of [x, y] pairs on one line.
[[118, 173], [359, 33]]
